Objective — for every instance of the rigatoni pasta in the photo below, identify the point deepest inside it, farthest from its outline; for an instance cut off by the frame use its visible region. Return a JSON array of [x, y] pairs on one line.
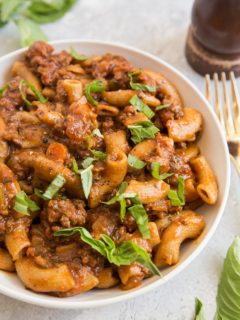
[[98, 165]]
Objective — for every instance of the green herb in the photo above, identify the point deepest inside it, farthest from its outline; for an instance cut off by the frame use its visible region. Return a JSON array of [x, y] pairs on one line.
[[96, 132], [23, 204], [141, 217], [199, 313], [163, 106], [29, 31], [155, 166], [125, 254], [228, 306], [96, 86], [85, 174], [45, 11], [8, 7], [77, 56], [37, 93], [100, 155], [4, 89], [121, 197], [135, 162], [177, 197], [142, 130], [87, 162], [142, 107], [57, 183], [27, 15], [139, 86]]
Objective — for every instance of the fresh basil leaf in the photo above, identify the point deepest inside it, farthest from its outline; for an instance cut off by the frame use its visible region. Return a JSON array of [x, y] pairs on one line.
[[123, 206], [56, 184], [155, 166], [142, 107], [75, 166], [96, 86], [46, 6], [23, 204], [121, 197], [122, 187], [96, 132], [37, 93], [48, 11], [199, 313], [4, 89], [228, 306], [8, 7], [141, 217], [100, 155], [177, 197], [139, 86], [77, 56], [125, 254], [135, 162], [142, 130], [29, 31], [129, 251], [87, 177], [163, 106], [87, 162]]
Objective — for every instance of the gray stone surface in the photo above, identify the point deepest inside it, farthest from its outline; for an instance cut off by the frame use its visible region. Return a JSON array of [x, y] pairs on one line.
[[159, 27]]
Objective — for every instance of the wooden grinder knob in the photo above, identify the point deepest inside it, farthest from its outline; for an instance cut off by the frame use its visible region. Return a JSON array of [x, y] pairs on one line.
[[213, 41]]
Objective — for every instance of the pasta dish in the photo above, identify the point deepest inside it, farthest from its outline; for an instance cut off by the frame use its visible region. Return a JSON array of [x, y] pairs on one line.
[[100, 172]]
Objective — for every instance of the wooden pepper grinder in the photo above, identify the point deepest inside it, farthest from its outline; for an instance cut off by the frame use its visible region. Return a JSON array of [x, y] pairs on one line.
[[213, 41]]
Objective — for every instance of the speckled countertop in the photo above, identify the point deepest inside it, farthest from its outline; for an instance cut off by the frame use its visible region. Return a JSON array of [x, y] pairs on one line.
[[159, 27]]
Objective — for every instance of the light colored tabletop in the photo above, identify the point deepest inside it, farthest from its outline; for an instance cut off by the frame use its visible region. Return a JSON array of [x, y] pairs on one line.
[[159, 27]]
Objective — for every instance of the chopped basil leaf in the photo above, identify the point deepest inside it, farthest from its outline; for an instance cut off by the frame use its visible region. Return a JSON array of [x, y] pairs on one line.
[[141, 217], [120, 197], [96, 132], [155, 166], [199, 313], [86, 177], [139, 86], [177, 197], [4, 89], [96, 86], [142, 130], [77, 56], [135, 162], [85, 174], [163, 106], [57, 183], [37, 93], [124, 254], [87, 162], [23, 204], [100, 155], [75, 166], [142, 107]]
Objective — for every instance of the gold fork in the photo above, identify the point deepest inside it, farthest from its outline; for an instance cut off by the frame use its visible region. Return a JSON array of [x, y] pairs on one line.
[[229, 115]]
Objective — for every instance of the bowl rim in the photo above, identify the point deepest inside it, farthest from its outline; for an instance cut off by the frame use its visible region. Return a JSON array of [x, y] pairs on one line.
[[67, 304]]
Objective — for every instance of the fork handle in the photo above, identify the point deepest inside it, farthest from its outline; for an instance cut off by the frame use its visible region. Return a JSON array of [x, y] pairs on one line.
[[236, 162]]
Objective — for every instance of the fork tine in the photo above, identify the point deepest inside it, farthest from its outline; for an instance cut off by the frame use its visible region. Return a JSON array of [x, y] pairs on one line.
[[236, 103], [227, 110], [207, 88], [217, 100]]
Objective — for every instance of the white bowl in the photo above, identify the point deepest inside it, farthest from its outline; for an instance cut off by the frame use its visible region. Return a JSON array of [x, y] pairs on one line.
[[213, 147]]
